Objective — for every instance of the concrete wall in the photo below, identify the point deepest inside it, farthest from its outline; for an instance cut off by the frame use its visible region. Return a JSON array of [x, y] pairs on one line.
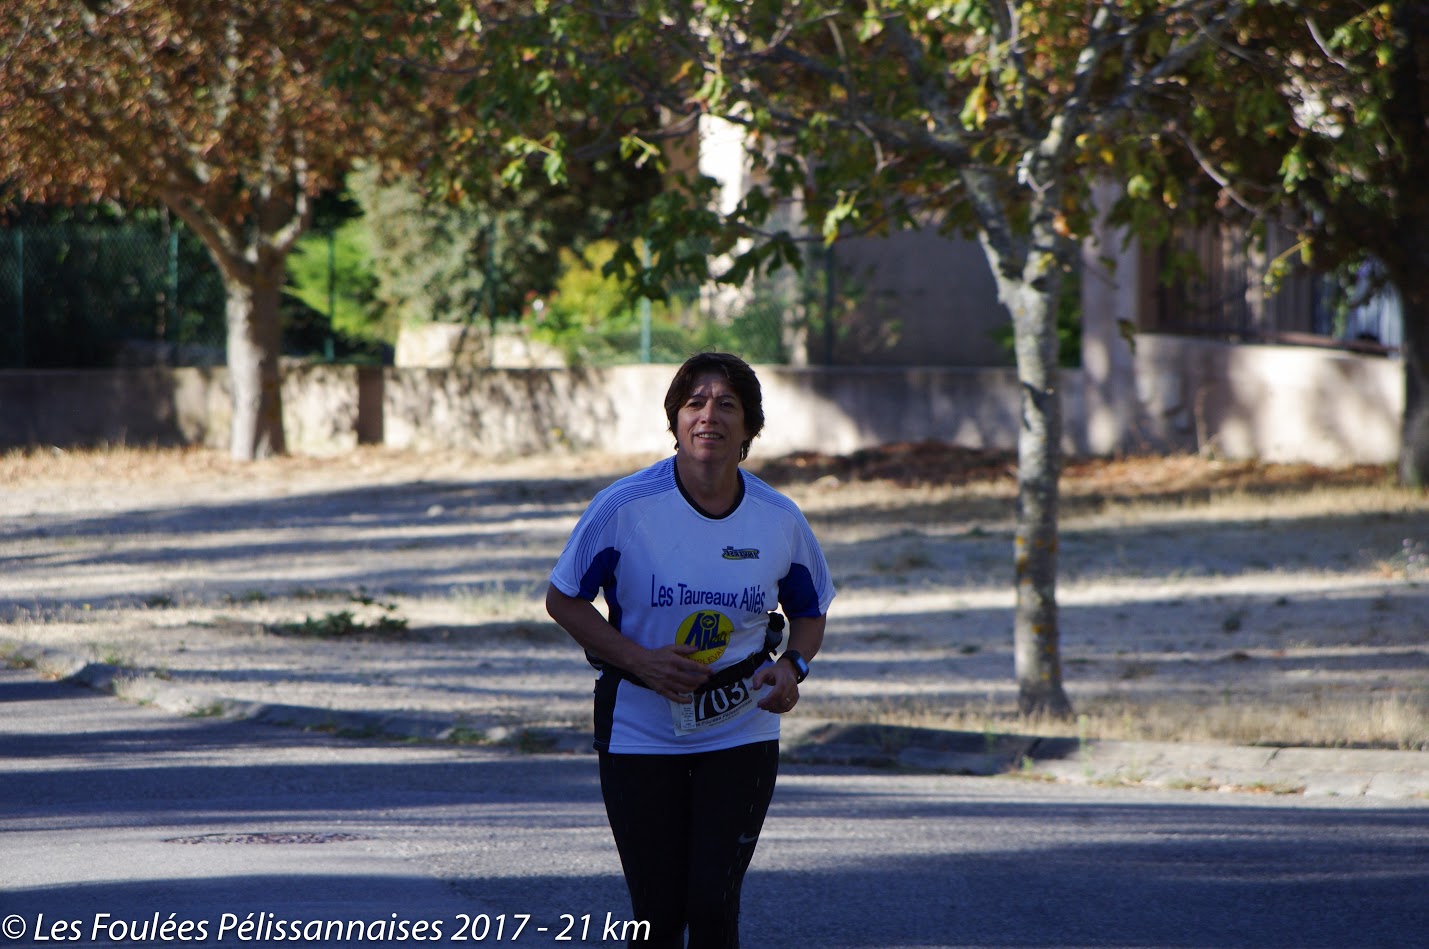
[[326, 409], [1276, 403], [86, 407], [915, 298]]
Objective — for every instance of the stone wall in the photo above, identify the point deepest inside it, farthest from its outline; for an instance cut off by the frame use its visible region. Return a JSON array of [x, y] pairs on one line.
[[1273, 402]]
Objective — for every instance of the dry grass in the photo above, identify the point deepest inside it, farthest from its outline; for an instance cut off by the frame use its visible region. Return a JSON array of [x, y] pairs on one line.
[[1393, 721], [147, 466], [48, 464]]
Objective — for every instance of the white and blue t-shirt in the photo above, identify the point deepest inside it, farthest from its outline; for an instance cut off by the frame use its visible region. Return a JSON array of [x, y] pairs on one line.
[[673, 574]]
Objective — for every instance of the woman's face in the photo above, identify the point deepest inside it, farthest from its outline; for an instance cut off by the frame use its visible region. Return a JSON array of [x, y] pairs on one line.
[[710, 423]]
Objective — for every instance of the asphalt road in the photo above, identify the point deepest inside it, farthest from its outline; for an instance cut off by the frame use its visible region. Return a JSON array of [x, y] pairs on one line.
[[125, 821]]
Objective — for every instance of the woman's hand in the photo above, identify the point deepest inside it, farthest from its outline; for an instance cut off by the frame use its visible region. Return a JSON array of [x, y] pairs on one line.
[[784, 691], [806, 635], [670, 672]]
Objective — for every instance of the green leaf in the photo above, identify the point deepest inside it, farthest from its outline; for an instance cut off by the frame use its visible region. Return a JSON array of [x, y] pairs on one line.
[[554, 165], [844, 209], [974, 113], [1293, 169]]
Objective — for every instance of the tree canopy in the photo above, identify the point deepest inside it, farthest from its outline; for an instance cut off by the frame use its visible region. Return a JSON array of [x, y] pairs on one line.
[[1345, 92], [977, 118], [220, 111]]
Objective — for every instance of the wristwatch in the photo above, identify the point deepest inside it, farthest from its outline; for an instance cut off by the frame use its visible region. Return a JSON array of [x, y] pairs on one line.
[[801, 665]]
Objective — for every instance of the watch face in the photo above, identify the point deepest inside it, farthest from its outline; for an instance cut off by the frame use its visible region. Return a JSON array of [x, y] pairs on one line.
[[801, 665]]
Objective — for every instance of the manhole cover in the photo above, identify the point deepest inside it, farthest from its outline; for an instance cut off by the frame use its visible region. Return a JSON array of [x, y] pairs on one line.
[[286, 837]]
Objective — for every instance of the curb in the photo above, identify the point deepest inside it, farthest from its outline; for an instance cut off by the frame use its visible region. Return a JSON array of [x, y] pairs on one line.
[[1308, 772], [147, 688]]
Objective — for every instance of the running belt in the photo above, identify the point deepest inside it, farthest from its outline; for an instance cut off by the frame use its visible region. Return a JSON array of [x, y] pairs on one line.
[[743, 669]]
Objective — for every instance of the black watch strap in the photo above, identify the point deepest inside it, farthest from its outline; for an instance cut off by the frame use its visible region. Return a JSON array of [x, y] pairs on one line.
[[801, 665]]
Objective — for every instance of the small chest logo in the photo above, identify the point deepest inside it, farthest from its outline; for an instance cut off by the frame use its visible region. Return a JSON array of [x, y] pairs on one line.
[[741, 553]]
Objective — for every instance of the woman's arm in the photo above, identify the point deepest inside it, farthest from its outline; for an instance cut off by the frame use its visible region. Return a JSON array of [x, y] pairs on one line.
[[666, 670], [806, 635]]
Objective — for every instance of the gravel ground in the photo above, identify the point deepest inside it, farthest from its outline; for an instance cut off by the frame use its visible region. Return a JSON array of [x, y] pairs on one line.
[[413, 583]]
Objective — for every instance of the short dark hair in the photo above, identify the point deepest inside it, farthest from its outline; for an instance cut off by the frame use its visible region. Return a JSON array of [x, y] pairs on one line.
[[741, 378]]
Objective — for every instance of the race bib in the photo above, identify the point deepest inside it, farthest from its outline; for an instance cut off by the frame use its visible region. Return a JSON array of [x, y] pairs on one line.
[[714, 707]]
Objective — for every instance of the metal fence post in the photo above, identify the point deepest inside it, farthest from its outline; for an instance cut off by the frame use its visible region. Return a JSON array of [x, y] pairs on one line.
[[830, 299], [329, 353], [645, 308], [19, 235], [172, 309]]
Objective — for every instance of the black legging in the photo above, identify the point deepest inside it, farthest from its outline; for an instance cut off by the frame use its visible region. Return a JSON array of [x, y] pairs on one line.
[[686, 827]]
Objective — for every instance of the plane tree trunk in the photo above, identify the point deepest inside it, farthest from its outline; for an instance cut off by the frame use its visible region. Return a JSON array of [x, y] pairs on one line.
[[1036, 634], [1414, 441], [255, 336], [1028, 277], [251, 255]]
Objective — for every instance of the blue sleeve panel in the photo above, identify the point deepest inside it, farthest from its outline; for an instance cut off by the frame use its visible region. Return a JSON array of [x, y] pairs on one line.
[[797, 593], [601, 574]]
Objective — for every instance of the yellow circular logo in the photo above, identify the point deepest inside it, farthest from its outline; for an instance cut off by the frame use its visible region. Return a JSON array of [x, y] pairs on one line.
[[708, 631]]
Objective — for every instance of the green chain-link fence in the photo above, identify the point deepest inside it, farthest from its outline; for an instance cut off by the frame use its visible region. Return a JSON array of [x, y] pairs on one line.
[[85, 290], [78, 293]]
